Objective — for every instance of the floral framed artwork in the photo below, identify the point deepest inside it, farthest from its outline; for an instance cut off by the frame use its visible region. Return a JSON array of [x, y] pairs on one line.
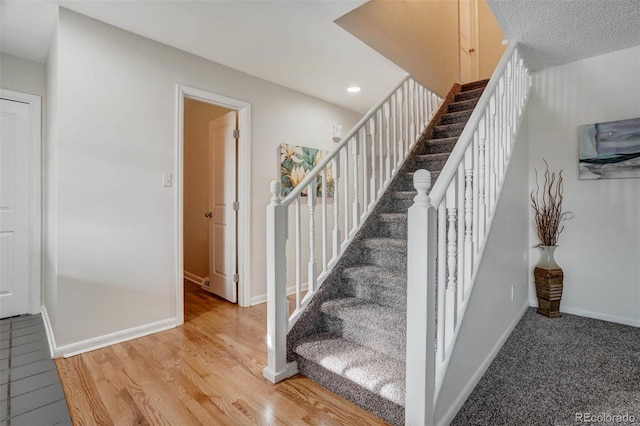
[[610, 150], [296, 162]]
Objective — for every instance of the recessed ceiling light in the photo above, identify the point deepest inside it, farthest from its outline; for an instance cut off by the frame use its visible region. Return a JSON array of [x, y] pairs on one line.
[[354, 89]]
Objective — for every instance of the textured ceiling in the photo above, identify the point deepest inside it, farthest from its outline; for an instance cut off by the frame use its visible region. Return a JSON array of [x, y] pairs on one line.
[[291, 43], [554, 32]]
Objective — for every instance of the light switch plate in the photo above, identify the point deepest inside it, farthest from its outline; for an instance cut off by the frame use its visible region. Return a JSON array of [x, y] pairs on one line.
[[167, 179]]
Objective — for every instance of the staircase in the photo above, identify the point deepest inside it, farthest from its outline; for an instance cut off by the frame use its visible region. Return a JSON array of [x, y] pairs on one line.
[[352, 337]]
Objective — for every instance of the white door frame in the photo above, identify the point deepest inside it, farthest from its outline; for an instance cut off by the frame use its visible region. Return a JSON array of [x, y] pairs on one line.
[[35, 193], [244, 195]]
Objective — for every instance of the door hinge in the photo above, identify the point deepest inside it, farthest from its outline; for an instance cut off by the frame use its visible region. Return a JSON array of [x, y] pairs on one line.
[[236, 278], [236, 134], [236, 205]]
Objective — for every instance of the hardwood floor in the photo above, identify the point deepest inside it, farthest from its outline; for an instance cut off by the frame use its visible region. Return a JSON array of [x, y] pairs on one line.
[[208, 371]]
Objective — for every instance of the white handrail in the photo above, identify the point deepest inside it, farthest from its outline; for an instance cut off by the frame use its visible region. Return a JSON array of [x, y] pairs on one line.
[[363, 170], [448, 230], [449, 170], [345, 140]]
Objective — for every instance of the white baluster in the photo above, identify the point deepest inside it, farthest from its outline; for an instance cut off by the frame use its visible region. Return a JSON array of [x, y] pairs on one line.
[[365, 166], [416, 114], [312, 269], [372, 138], [336, 207], [422, 115], [387, 122], [500, 116], [411, 116], [325, 246], [442, 279], [510, 109], [493, 150], [356, 186], [347, 201], [468, 220], [511, 103], [405, 119], [381, 159], [460, 220], [298, 265], [401, 126], [394, 119], [452, 251], [482, 178], [476, 189]]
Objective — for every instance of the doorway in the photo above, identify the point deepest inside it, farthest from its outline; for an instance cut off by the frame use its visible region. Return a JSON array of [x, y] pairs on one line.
[[20, 203], [467, 25], [213, 196]]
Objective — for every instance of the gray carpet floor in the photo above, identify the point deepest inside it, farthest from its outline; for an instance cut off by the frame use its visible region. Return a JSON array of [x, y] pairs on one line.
[[560, 372]]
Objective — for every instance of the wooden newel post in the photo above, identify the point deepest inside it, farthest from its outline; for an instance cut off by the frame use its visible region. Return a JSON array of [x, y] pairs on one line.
[[421, 254], [277, 368]]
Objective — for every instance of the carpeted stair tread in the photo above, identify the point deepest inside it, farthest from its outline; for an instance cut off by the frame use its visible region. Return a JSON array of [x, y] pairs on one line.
[[462, 105], [404, 195], [474, 85], [469, 94], [384, 243], [376, 318], [448, 130], [381, 276], [433, 157], [456, 117], [365, 367], [441, 145], [392, 217]]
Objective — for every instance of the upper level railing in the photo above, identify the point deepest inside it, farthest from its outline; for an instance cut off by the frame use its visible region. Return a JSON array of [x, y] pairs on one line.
[[448, 229], [353, 177]]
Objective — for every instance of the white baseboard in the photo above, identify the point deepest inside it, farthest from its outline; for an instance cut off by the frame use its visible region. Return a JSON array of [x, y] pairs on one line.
[[48, 328], [262, 298], [194, 278], [471, 384], [105, 340], [595, 315]]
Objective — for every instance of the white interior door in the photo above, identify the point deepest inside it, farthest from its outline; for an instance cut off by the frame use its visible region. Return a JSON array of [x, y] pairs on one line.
[[468, 54], [222, 196], [14, 208]]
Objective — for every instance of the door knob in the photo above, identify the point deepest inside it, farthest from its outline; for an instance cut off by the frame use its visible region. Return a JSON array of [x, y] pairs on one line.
[[208, 214], [472, 50]]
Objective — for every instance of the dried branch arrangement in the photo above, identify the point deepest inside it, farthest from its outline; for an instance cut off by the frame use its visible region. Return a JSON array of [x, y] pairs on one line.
[[547, 204]]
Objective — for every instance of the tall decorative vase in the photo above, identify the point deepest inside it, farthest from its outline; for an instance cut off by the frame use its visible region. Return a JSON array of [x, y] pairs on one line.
[[549, 277]]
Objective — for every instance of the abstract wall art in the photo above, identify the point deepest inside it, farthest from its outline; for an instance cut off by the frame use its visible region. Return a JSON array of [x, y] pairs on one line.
[[610, 150], [296, 162]]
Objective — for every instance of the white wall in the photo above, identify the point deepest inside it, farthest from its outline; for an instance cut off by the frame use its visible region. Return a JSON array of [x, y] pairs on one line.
[[489, 43], [50, 185], [491, 314], [117, 135], [599, 249], [22, 75], [419, 36]]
